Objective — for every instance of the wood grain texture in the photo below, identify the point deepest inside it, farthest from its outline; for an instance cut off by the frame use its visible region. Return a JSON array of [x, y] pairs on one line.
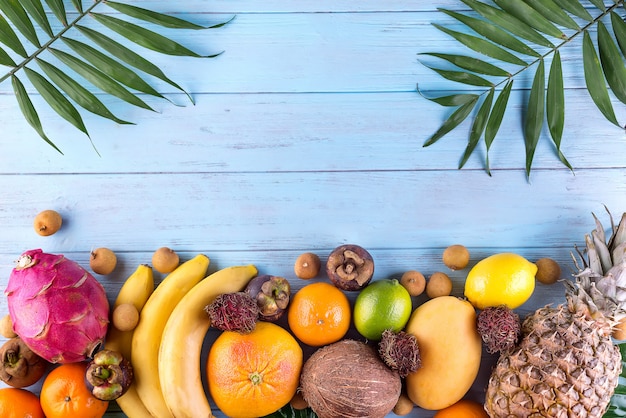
[[307, 133]]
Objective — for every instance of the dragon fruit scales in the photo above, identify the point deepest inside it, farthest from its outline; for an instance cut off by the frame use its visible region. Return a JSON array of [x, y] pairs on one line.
[[57, 307]]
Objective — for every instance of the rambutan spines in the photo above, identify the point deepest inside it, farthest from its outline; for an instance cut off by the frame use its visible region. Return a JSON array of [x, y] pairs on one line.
[[499, 327], [400, 352], [236, 311]]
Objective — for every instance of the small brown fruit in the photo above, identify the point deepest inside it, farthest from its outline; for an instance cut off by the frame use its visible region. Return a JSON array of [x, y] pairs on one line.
[[548, 271], [439, 284], [307, 266], [414, 282], [404, 406], [350, 267], [6, 327], [298, 402], [456, 257], [165, 260], [125, 317], [47, 222], [102, 261], [619, 331], [19, 365]]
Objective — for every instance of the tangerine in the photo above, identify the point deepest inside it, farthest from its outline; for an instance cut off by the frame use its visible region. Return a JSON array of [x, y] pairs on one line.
[[319, 314], [65, 394], [465, 408], [254, 374], [19, 403]]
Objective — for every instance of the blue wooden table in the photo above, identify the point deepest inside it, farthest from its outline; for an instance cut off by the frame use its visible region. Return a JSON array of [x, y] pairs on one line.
[[307, 133]]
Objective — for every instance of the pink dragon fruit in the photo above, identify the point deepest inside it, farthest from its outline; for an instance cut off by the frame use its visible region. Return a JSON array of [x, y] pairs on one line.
[[58, 308]]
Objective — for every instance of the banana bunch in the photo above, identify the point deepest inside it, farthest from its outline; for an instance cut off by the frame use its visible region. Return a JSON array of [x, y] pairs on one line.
[[165, 347], [136, 290], [146, 339], [181, 343]]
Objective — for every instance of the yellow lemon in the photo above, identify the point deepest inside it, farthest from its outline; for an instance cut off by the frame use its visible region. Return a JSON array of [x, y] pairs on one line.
[[501, 279], [381, 305]]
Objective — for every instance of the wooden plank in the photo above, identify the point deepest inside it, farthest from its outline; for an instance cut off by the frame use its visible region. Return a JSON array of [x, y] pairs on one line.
[[316, 52], [278, 211], [296, 132]]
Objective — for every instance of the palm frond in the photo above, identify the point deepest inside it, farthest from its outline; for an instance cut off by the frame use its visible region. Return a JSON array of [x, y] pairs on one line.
[[525, 34], [108, 66]]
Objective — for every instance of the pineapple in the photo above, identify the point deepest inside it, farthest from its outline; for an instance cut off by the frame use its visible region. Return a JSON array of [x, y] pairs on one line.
[[566, 364]]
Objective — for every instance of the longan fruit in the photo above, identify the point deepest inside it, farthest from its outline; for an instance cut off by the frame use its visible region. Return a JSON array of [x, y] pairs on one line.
[[619, 330], [298, 402], [307, 266], [456, 257], [165, 260], [125, 317], [102, 260], [414, 282], [548, 271], [439, 284], [6, 327], [47, 222], [404, 405]]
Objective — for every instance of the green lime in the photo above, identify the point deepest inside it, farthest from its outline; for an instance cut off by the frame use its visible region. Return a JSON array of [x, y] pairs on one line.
[[381, 305]]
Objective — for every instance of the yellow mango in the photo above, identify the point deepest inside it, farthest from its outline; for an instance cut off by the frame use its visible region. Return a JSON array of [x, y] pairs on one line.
[[450, 349]]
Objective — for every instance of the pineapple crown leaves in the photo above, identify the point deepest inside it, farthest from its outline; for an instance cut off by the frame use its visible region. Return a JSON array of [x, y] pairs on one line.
[[517, 36], [61, 46], [601, 276]]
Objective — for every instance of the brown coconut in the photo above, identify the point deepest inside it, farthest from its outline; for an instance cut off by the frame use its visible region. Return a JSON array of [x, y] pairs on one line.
[[348, 379]]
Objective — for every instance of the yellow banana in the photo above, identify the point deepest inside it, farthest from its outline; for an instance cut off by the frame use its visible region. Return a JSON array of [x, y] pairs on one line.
[[181, 344], [136, 290], [147, 335]]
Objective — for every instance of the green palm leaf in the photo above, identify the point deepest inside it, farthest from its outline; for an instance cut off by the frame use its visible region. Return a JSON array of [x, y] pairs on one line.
[[16, 14], [612, 63], [478, 127], [99, 79], [471, 64], [25, 26], [458, 116], [35, 9], [56, 100], [553, 12], [495, 120], [493, 33], [146, 38], [157, 18], [58, 8], [111, 67], [5, 59], [534, 118], [513, 25], [10, 39], [128, 56], [555, 106], [78, 5], [530, 16], [77, 92], [574, 7], [482, 46], [28, 110], [594, 78]]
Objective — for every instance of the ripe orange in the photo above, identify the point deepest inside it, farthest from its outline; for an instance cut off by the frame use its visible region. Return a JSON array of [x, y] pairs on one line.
[[255, 374], [19, 403], [464, 408], [64, 394], [319, 314]]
